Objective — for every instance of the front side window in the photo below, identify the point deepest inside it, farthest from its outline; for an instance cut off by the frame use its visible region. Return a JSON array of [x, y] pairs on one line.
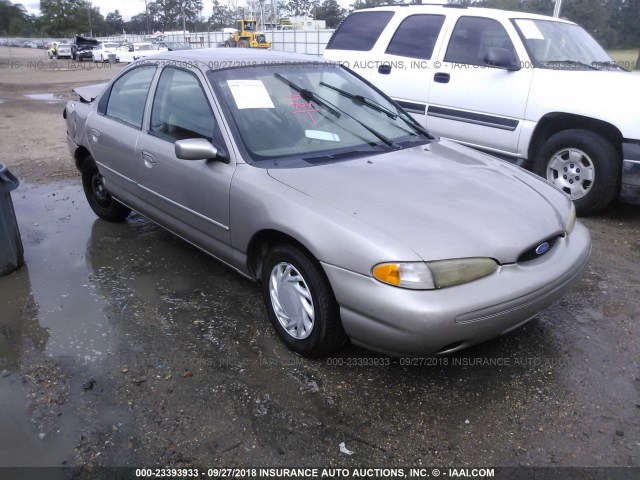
[[416, 36], [128, 96], [472, 38], [302, 114], [359, 31], [180, 108]]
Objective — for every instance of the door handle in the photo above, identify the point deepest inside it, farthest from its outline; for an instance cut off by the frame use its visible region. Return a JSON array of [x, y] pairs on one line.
[[95, 134], [442, 77], [149, 160], [384, 69]]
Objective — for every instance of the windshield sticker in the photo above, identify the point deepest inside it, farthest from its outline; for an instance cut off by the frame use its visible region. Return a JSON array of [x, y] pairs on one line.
[[301, 106], [530, 30], [250, 94]]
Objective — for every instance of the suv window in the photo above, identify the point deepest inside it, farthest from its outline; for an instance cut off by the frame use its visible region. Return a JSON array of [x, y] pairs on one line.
[[472, 38], [359, 31], [416, 36], [180, 108], [129, 94]]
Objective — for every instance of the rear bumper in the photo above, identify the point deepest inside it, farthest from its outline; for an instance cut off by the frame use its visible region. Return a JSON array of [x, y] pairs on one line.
[[630, 188], [410, 322]]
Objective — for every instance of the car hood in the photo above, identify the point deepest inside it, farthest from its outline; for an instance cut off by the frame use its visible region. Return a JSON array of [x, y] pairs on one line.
[[441, 200]]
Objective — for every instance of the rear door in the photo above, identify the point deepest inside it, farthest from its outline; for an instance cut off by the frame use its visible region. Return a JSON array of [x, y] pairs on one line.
[[406, 62], [472, 102], [113, 133]]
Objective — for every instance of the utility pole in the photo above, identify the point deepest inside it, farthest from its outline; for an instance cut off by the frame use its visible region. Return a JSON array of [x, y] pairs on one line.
[[557, 8], [184, 23], [89, 14]]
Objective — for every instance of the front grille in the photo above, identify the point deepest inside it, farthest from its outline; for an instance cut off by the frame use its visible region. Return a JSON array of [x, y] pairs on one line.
[[531, 254]]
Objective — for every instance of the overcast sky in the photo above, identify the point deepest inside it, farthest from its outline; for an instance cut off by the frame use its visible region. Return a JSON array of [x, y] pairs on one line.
[[130, 8]]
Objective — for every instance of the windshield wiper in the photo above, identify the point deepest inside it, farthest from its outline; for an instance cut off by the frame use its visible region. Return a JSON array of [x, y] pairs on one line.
[[360, 99], [570, 62], [608, 63], [310, 96]]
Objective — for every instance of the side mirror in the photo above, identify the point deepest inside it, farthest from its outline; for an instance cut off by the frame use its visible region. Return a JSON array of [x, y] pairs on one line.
[[198, 149], [501, 58]]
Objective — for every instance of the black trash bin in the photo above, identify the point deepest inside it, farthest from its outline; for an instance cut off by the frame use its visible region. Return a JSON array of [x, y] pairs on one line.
[[11, 251]]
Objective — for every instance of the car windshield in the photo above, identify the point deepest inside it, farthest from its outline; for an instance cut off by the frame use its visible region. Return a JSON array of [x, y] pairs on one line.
[[307, 113], [560, 45]]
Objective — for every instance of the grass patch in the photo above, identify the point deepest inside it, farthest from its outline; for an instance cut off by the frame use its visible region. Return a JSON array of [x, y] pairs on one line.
[[625, 58]]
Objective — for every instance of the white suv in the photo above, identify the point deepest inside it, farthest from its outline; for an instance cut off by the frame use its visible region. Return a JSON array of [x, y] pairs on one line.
[[533, 89]]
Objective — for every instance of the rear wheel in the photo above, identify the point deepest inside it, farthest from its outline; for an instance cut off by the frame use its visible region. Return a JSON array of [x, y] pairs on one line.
[[300, 302], [100, 200], [243, 43], [583, 164]]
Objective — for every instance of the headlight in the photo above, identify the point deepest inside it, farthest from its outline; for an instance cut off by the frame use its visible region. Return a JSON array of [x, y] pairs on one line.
[[571, 221], [437, 274], [415, 275]]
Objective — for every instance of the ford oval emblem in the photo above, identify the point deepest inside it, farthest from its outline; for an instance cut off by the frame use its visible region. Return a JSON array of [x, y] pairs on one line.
[[543, 248]]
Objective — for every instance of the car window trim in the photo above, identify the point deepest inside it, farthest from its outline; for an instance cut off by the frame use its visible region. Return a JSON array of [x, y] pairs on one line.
[[228, 144], [433, 50], [107, 95], [453, 30]]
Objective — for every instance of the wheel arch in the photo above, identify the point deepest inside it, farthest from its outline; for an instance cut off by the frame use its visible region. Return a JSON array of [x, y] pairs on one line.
[[80, 156], [260, 244], [556, 122]]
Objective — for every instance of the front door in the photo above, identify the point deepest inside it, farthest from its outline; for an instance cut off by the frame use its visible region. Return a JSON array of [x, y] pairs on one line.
[[472, 102], [190, 196]]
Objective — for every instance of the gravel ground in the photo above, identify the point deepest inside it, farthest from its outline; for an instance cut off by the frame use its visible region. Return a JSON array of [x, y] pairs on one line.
[[121, 345]]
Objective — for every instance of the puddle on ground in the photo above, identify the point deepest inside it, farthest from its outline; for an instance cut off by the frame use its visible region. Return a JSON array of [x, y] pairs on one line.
[[52, 97], [61, 313]]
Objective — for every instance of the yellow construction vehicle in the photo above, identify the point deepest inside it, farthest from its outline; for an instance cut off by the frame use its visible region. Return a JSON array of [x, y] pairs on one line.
[[246, 36]]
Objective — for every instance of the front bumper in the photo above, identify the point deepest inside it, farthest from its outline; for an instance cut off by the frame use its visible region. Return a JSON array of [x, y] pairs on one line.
[[630, 188], [399, 321]]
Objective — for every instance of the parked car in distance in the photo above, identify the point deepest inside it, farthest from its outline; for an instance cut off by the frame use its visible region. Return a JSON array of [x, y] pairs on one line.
[[102, 51], [139, 50], [63, 50], [354, 220], [533, 89], [82, 48]]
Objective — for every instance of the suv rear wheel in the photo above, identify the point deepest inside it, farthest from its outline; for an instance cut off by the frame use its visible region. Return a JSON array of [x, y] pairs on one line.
[[584, 165]]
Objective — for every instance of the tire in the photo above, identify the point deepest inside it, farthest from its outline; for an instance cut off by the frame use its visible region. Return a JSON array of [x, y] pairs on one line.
[[296, 291], [243, 43], [227, 45], [585, 165], [100, 201]]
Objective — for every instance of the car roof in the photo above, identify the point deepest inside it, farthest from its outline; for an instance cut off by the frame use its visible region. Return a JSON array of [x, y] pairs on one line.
[[237, 57], [460, 11]]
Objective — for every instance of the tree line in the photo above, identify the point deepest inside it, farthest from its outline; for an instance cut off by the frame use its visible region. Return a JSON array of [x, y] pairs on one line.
[[614, 23]]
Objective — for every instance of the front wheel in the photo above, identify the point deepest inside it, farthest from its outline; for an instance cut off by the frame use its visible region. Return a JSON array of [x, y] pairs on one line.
[[584, 165], [100, 200], [243, 43], [300, 302]]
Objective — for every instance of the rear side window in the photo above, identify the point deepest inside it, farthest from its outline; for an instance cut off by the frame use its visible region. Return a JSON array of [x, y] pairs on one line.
[[129, 95], [472, 38], [359, 31], [416, 36]]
